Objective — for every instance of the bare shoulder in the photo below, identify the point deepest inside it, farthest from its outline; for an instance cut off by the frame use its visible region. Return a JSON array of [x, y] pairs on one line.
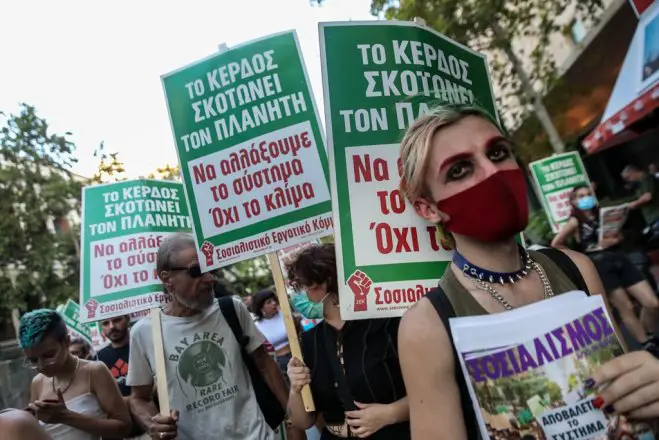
[[95, 367], [421, 324], [587, 269]]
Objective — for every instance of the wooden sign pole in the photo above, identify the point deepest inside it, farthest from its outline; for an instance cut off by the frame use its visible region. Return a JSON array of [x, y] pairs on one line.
[[159, 353], [291, 332]]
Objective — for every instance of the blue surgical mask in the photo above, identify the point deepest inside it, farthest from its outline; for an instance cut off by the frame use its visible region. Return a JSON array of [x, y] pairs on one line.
[[306, 307], [586, 203], [645, 436]]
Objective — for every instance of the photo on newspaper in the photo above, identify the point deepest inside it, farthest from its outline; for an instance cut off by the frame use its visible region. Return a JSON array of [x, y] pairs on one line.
[[527, 370], [612, 219]]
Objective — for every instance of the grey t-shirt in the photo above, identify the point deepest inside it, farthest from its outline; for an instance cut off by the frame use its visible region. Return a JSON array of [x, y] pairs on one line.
[[207, 380]]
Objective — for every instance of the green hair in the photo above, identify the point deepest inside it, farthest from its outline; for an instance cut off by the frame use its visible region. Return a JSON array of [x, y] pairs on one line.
[[34, 326]]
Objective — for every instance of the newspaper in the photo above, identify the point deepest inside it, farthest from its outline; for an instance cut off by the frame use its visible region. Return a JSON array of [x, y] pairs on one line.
[[612, 220], [526, 370]]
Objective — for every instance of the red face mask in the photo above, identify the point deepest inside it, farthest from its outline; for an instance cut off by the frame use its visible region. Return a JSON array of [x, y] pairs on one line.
[[490, 211]]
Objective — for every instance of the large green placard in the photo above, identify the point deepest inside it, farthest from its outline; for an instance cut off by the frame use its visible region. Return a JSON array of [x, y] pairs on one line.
[[251, 150], [554, 178], [123, 225], [378, 78]]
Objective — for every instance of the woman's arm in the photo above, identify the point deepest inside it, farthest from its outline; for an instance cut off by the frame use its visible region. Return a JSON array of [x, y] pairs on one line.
[[35, 387], [566, 232], [399, 411], [117, 423], [426, 359], [594, 284], [299, 376], [300, 418]]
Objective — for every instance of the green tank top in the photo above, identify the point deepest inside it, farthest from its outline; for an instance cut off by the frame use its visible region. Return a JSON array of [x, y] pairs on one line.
[[465, 304]]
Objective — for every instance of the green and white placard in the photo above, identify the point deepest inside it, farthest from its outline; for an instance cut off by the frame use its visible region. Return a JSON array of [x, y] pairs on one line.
[[378, 78], [70, 312], [251, 150], [554, 178], [123, 225]]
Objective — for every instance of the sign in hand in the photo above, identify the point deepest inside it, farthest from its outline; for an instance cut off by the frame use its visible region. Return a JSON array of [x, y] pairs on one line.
[[50, 411], [360, 284]]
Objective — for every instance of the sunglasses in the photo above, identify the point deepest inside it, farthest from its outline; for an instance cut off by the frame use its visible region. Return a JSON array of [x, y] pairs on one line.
[[193, 271]]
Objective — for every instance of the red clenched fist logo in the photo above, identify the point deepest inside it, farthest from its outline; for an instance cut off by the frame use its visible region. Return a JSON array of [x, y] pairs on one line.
[[360, 284], [91, 307], [207, 250]]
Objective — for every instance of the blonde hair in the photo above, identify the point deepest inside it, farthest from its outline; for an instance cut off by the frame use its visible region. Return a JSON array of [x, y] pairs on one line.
[[417, 143]]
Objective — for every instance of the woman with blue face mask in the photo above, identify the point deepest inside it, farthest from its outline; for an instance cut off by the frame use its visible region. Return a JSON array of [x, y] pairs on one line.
[[619, 275], [352, 367]]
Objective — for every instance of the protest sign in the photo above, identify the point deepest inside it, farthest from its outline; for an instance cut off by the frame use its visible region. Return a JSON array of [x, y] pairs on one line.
[[378, 78], [554, 178], [70, 312], [251, 150], [99, 340], [612, 219], [123, 225]]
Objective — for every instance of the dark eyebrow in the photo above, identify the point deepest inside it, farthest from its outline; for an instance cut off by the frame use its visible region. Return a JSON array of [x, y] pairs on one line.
[[492, 142], [453, 159], [495, 141]]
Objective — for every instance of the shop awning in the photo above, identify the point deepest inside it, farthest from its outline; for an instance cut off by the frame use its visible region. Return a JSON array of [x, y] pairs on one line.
[[636, 91]]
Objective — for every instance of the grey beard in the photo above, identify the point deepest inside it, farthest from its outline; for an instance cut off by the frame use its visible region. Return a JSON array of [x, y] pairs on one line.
[[196, 305]]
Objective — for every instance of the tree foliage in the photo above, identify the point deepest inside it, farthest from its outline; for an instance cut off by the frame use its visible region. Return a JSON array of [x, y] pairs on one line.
[[167, 172], [110, 168], [247, 277], [38, 247], [494, 27]]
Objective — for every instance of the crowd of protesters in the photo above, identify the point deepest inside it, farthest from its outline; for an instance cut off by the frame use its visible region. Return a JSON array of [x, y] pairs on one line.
[[382, 379]]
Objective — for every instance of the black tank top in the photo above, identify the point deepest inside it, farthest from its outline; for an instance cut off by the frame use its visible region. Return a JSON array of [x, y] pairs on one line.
[[589, 235]]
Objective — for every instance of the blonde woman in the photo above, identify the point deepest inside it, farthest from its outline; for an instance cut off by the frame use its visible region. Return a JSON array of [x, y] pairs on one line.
[[459, 172]]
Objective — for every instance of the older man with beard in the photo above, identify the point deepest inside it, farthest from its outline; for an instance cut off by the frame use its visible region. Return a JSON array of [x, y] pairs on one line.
[[210, 391]]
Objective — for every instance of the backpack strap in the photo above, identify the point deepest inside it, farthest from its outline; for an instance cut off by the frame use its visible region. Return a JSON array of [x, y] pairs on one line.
[[272, 410], [229, 312], [566, 265], [445, 310]]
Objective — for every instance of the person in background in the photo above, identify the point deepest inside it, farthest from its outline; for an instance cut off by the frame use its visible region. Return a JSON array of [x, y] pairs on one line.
[[247, 300], [654, 170], [75, 399], [21, 425], [209, 386], [459, 172], [647, 193], [351, 366], [79, 347], [116, 354], [621, 279], [270, 322]]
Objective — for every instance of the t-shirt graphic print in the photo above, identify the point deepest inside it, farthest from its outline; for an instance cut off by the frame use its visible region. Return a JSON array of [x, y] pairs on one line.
[[207, 380], [201, 367]]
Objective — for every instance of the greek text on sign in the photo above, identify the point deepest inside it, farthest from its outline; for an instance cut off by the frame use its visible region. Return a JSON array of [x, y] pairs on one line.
[[124, 224], [251, 150], [378, 78]]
